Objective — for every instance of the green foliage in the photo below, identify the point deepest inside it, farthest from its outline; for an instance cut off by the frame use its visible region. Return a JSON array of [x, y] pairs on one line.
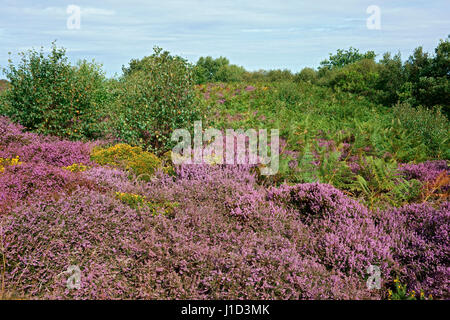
[[139, 202], [208, 69], [359, 77], [428, 77], [289, 92], [388, 138], [141, 163], [345, 57], [391, 79], [4, 84], [229, 73], [422, 80], [323, 166], [307, 75], [379, 181], [153, 100], [279, 75], [50, 96], [429, 127], [399, 292]]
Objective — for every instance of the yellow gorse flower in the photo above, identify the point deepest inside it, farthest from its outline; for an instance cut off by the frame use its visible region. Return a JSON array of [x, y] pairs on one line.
[[76, 167], [9, 162]]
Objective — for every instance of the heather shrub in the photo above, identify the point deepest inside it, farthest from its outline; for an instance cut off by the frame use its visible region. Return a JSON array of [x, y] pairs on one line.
[[33, 181], [201, 253], [421, 246], [344, 234], [127, 157], [34, 148], [50, 96], [426, 171], [156, 97]]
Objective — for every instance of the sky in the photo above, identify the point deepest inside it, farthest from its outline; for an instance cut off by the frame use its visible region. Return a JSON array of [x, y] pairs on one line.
[[257, 34]]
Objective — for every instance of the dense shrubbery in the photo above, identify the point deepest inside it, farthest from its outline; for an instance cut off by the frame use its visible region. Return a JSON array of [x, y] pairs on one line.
[[163, 239], [359, 183], [422, 80], [208, 69], [155, 96], [343, 58], [50, 96], [128, 158]]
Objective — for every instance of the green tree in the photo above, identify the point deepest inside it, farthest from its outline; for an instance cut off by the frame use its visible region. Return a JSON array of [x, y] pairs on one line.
[[49, 95], [345, 57], [153, 100]]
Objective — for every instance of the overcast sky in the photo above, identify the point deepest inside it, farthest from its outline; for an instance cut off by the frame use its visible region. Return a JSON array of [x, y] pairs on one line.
[[258, 34]]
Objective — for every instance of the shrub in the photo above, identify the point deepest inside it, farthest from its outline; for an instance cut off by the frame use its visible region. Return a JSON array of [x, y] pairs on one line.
[[289, 92], [50, 96], [345, 57], [359, 77], [427, 75], [430, 127], [207, 68], [346, 237], [279, 75], [136, 201], [229, 73], [420, 244], [306, 74], [391, 79], [154, 99], [127, 157], [76, 167]]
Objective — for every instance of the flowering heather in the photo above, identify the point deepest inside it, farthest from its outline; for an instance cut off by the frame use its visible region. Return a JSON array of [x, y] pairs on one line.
[[34, 148], [200, 253], [345, 235], [421, 245], [426, 171], [203, 232]]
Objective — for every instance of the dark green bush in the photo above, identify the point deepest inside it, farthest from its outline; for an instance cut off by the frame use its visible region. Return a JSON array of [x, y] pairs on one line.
[[153, 100], [428, 77], [360, 77], [50, 96], [391, 79]]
